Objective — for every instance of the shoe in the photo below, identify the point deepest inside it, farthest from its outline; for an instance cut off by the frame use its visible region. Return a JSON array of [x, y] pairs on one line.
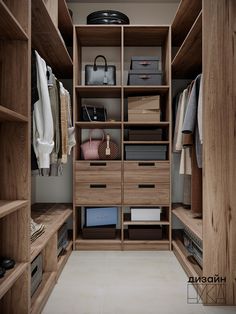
[[2, 272], [7, 263]]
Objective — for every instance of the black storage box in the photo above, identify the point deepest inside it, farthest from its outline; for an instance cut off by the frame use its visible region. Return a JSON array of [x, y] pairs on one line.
[[36, 273], [103, 232], [145, 63], [62, 238], [148, 232], [145, 152], [145, 77], [145, 135]]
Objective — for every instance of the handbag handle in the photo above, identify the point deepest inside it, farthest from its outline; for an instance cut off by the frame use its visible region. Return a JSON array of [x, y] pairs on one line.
[[91, 132], [95, 63]]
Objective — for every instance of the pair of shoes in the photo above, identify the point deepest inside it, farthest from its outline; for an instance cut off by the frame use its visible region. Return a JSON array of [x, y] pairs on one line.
[[6, 263], [36, 230]]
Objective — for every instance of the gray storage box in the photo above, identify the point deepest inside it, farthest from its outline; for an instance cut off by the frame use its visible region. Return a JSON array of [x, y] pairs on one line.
[[62, 238], [144, 77], [145, 152], [145, 63], [36, 273]]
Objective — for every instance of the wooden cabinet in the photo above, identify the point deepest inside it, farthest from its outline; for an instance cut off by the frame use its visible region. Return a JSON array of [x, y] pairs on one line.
[[121, 183]]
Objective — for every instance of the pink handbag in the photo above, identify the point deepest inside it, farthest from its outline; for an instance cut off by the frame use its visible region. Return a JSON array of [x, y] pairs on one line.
[[90, 147]]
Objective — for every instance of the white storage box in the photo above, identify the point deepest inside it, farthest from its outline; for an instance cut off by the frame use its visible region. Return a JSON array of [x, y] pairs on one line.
[[146, 214]]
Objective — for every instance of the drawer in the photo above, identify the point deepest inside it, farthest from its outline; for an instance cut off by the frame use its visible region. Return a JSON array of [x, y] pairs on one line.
[[158, 172], [97, 193], [146, 193], [102, 172]]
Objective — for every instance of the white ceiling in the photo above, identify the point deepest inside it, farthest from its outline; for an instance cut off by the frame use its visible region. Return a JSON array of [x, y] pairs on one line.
[[124, 1]]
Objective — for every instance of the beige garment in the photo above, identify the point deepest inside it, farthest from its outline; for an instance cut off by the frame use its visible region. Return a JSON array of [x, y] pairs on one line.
[[183, 104], [199, 111], [64, 123], [185, 162], [71, 129], [177, 123]]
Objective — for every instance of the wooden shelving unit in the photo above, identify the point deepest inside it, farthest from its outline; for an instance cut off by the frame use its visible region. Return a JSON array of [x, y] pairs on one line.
[[189, 220], [43, 292], [186, 14], [7, 115], [8, 207], [48, 41], [11, 277], [182, 255], [52, 216], [65, 23], [187, 63], [10, 27], [119, 39], [62, 259], [15, 152]]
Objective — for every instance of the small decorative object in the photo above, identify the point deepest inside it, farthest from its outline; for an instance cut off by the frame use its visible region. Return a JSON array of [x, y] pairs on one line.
[[90, 147], [107, 17], [100, 74], [108, 149]]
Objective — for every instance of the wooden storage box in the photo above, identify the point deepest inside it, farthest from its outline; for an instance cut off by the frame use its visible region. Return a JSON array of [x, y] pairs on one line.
[[145, 135], [145, 63], [145, 77], [150, 232], [104, 232], [144, 109]]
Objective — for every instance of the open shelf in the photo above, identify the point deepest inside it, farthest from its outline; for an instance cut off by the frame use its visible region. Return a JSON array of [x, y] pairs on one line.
[[10, 28], [99, 35], [182, 255], [86, 91], [144, 223], [7, 115], [146, 142], [186, 14], [130, 90], [98, 244], [52, 216], [47, 40], [41, 295], [10, 277], [156, 124], [65, 23], [62, 259], [187, 63], [145, 35], [8, 207], [187, 218], [99, 125]]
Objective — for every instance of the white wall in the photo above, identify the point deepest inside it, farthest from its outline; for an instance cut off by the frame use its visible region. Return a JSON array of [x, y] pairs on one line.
[[138, 13], [59, 189]]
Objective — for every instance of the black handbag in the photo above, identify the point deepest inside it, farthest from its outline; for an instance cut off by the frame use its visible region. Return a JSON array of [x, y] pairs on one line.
[[100, 74], [92, 113]]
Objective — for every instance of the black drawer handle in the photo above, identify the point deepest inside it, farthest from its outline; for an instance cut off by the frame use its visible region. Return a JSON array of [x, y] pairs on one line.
[[95, 164], [146, 186], [98, 186], [146, 164], [145, 63], [34, 271]]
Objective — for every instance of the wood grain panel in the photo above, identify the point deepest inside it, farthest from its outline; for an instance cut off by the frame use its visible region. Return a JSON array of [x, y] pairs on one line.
[[10, 28], [14, 64], [146, 172], [219, 185], [21, 10], [145, 35], [65, 22], [97, 193], [52, 8], [146, 194], [98, 172], [186, 14], [188, 61], [14, 161]]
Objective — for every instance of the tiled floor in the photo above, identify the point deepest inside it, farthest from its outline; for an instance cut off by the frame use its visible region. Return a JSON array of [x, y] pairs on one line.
[[124, 283]]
